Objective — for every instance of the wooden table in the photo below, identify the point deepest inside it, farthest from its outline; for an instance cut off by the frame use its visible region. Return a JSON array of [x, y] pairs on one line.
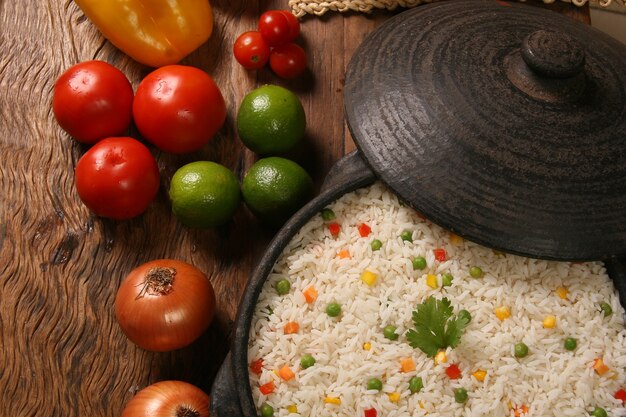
[[61, 350]]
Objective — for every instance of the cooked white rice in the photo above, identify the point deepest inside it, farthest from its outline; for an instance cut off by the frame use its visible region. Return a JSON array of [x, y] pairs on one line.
[[550, 381]]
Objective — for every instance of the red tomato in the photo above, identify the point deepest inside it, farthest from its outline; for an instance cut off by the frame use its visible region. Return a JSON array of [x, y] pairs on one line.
[[453, 372], [364, 230], [621, 395], [92, 101], [275, 27], [440, 254], [117, 178], [256, 366], [370, 412], [178, 108], [288, 60], [294, 25], [334, 228], [268, 388], [251, 50]]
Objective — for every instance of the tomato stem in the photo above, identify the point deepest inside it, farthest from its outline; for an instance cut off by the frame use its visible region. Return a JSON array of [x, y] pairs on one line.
[[184, 411], [158, 281]]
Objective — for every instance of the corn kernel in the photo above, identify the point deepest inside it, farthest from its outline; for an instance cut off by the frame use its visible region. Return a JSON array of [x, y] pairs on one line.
[[421, 404], [479, 374], [431, 281], [440, 357], [332, 400], [292, 409], [549, 322], [369, 277], [600, 367], [455, 239], [562, 292], [367, 346], [394, 397], [503, 313]]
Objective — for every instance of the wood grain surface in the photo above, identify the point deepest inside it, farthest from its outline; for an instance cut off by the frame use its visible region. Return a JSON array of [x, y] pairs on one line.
[[61, 350]]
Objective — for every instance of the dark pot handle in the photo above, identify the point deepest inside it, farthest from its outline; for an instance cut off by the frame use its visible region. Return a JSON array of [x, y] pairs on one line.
[[224, 398], [616, 268], [347, 169]]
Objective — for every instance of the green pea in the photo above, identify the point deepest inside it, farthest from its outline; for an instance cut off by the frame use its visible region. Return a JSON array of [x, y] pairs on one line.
[[375, 383], [446, 279], [460, 395], [282, 287], [415, 384], [521, 350], [306, 361], [570, 343], [328, 214], [466, 315], [376, 244], [476, 272], [606, 307], [598, 412], [390, 332], [407, 236], [267, 410], [419, 262], [333, 309]]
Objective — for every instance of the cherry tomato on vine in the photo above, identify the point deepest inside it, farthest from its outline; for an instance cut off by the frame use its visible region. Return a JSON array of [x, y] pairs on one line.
[[178, 108], [288, 60], [117, 178], [93, 100], [251, 50], [294, 25], [168, 399], [165, 304], [275, 27]]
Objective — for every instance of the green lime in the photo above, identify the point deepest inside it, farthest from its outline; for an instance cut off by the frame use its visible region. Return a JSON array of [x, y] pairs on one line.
[[204, 194], [270, 120], [275, 188]]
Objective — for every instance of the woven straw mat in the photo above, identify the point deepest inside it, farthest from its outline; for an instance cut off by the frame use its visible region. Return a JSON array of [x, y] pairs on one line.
[[319, 7]]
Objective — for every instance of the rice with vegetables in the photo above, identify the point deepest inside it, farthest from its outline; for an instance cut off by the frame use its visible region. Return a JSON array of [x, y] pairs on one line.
[[373, 311]]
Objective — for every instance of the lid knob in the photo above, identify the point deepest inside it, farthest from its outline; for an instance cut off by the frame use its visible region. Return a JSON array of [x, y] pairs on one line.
[[553, 54]]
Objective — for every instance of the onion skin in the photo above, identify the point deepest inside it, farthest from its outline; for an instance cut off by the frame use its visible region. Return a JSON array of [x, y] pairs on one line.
[[168, 399], [170, 317]]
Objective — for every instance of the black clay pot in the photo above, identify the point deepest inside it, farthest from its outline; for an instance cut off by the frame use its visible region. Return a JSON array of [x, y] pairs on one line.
[[494, 128]]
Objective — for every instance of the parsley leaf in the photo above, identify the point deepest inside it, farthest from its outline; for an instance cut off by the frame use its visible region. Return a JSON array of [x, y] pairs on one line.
[[436, 327]]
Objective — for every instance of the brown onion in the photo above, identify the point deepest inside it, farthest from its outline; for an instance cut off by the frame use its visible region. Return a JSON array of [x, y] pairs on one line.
[[164, 305], [168, 399]]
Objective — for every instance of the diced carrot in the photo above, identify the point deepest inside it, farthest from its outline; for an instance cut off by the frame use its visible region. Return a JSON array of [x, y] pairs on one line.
[[364, 230], [522, 409], [291, 327], [286, 373], [267, 388], [344, 254], [407, 365], [310, 294], [256, 366], [600, 367]]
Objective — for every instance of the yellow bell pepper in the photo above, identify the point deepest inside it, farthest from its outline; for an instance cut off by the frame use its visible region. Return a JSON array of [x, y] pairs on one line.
[[155, 32]]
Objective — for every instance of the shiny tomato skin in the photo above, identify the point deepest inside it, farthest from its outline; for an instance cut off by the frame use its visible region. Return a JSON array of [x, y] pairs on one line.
[[117, 178], [288, 61], [294, 25], [275, 27], [178, 108], [92, 100], [251, 50]]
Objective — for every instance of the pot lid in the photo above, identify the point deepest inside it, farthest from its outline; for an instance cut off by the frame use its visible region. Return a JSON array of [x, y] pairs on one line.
[[502, 122]]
